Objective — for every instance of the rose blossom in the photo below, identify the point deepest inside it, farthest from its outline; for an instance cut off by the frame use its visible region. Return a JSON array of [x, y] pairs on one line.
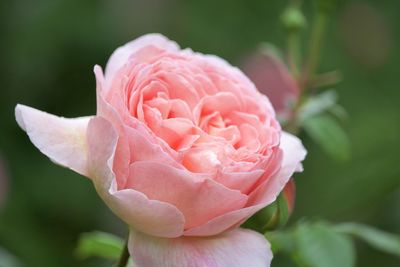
[[183, 148]]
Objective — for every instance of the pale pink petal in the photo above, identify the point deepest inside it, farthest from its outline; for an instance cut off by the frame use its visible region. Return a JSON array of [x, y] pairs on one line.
[[223, 102], [202, 159], [180, 108], [218, 67], [143, 149], [237, 248], [187, 142], [293, 154], [163, 105], [200, 199], [224, 222], [62, 140], [149, 216], [121, 55], [174, 130], [249, 138], [242, 181], [180, 87], [104, 109], [230, 133]]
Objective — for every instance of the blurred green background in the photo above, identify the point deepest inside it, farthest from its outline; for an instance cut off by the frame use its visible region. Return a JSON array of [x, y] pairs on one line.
[[49, 48]]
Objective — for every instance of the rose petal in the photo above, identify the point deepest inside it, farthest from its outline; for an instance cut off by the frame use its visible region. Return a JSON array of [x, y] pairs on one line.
[[62, 140], [218, 68], [236, 248], [143, 149], [200, 199], [224, 222], [179, 108], [293, 154], [249, 138], [182, 88], [149, 216], [203, 159], [122, 153], [120, 56], [223, 102], [174, 130], [242, 181]]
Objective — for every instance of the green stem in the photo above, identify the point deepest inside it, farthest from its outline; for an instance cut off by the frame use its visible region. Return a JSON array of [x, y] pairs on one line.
[[294, 52], [317, 36], [123, 259]]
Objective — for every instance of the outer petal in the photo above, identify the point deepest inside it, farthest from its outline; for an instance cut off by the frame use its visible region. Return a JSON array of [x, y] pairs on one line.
[[122, 153], [293, 154], [62, 140], [149, 216], [237, 248], [122, 54], [224, 222], [198, 198], [242, 181], [265, 194]]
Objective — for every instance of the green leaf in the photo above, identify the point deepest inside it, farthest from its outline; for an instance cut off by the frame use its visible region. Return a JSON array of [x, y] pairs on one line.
[[281, 241], [319, 245], [378, 239], [326, 132], [99, 244], [8, 260], [317, 105], [339, 112]]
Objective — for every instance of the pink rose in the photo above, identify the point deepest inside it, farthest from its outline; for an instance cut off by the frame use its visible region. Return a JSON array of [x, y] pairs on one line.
[[183, 148]]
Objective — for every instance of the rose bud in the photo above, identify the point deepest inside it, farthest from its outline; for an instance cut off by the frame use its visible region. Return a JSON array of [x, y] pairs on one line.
[[277, 214], [272, 77], [183, 148]]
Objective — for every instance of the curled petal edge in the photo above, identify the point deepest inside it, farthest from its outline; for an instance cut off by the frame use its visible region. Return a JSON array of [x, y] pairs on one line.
[[61, 139]]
